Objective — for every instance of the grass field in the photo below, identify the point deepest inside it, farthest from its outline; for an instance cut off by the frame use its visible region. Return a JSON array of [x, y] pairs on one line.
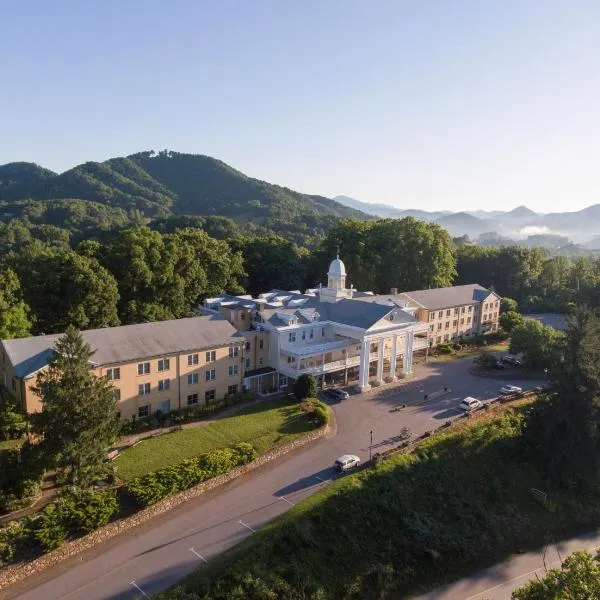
[[8, 444], [264, 425], [460, 502]]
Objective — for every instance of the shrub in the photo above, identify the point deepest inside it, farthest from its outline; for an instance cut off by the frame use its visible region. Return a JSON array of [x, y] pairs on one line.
[[49, 529], [154, 487], [321, 415], [304, 387], [86, 511], [485, 360], [14, 538], [445, 349]]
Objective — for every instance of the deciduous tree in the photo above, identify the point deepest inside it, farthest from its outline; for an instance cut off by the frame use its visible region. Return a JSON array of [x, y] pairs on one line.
[[14, 313]]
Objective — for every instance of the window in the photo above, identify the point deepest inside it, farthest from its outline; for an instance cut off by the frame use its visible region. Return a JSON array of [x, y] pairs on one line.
[[456, 311], [164, 384], [144, 389], [192, 378], [462, 321], [431, 316], [260, 361], [192, 359], [243, 316], [232, 389], [446, 337], [323, 332], [496, 304], [454, 323], [113, 374], [117, 394], [312, 334], [211, 375], [462, 310], [144, 411], [290, 359], [304, 335], [260, 344], [291, 337], [164, 406], [438, 339], [211, 356], [164, 364], [234, 351], [233, 370], [470, 309], [447, 324], [248, 346], [209, 395], [192, 399], [143, 368], [431, 327], [283, 381], [468, 319], [439, 326], [247, 364], [448, 313]]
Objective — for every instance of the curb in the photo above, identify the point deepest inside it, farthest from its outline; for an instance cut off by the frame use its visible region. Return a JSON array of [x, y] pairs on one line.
[[14, 574]]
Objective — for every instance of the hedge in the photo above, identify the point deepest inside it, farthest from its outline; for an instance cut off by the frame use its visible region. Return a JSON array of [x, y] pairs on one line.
[[154, 487], [75, 513]]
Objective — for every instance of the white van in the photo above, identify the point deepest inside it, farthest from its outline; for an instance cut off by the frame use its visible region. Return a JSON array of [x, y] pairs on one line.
[[346, 462], [470, 404]]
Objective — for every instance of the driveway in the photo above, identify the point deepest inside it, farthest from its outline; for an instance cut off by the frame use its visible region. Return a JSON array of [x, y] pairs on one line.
[[161, 552]]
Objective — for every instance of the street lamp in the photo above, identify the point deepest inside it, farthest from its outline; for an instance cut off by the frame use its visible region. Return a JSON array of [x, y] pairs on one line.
[[371, 445]]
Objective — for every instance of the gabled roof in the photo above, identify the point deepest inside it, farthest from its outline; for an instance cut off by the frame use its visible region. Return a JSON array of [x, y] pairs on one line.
[[127, 343], [449, 296]]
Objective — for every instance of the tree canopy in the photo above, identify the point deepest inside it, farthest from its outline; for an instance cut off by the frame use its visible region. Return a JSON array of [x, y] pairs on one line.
[[14, 313]]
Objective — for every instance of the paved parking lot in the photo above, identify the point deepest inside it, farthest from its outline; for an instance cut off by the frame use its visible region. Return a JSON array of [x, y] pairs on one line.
[[163, 551]]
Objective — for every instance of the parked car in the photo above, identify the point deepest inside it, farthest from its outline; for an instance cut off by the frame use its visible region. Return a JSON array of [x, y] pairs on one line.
[[470, 404], [511, 360], [336, 394], [498, 364], [510, 389], [346, 462]]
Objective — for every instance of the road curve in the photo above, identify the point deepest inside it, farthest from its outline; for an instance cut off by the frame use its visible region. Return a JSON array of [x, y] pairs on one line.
[[157, 554]]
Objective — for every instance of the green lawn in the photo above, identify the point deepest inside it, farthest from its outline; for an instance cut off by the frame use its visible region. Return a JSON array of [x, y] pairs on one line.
[[460, 502], [8, 444], [264, 425]]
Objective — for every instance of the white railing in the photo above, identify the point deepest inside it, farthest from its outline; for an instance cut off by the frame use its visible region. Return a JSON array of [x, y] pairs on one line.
[[420, 343]]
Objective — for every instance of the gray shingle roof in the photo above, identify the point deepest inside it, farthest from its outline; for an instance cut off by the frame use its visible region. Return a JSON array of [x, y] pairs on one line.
[[128, 342], [448, 297]]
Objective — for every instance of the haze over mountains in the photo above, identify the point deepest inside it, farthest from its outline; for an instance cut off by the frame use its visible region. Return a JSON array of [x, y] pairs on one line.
[[150, 185], [582, 226]]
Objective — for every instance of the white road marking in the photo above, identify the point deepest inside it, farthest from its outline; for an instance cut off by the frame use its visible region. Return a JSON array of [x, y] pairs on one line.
[[286, 500], [322, 480], [198, 555], [247, 526], [139, 589]]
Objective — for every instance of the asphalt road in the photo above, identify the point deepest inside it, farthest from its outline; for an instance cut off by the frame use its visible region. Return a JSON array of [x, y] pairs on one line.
[[161, 552], [498, 582]]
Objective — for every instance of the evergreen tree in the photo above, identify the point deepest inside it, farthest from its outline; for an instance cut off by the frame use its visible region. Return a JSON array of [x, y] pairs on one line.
[[305, 387], [78, 419]]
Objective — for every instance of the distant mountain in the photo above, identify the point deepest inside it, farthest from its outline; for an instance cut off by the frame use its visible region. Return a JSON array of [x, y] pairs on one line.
[[158, 185], [520, 213], [387, 211], [463, 223]]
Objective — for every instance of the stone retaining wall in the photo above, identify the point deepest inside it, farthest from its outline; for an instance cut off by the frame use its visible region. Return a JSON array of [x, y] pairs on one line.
[[16, 573]]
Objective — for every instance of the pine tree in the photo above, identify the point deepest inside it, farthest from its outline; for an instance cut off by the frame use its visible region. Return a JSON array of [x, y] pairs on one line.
[[78, 421]]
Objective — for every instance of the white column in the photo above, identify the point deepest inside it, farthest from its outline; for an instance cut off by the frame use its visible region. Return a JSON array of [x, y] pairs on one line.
[[393, 358], [380, 357], [408, 352], [363, 372]]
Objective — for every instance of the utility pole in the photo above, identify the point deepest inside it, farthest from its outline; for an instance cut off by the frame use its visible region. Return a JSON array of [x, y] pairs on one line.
[[371, 446]]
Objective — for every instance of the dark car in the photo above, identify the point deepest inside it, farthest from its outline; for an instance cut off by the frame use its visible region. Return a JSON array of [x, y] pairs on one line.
[[336, 394], [498, 365], [511, 360]]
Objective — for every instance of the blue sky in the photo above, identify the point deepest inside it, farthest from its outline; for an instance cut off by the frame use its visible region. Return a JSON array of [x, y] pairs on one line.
[[431, 104]]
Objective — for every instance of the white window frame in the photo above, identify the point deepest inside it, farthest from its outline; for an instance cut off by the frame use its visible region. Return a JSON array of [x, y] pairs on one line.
[[164, 384], [113, 374], [143, 368], [164, 364], [211, 356], [211, 374], [193, 378], [192, 360], [144, 389]]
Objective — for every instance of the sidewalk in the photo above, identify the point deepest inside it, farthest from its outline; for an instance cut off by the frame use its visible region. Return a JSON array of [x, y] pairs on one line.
[[499, 581]]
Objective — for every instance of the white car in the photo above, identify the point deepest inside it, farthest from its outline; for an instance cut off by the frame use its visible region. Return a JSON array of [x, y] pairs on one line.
[[346, 462], [510, 389], [470, 404]]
